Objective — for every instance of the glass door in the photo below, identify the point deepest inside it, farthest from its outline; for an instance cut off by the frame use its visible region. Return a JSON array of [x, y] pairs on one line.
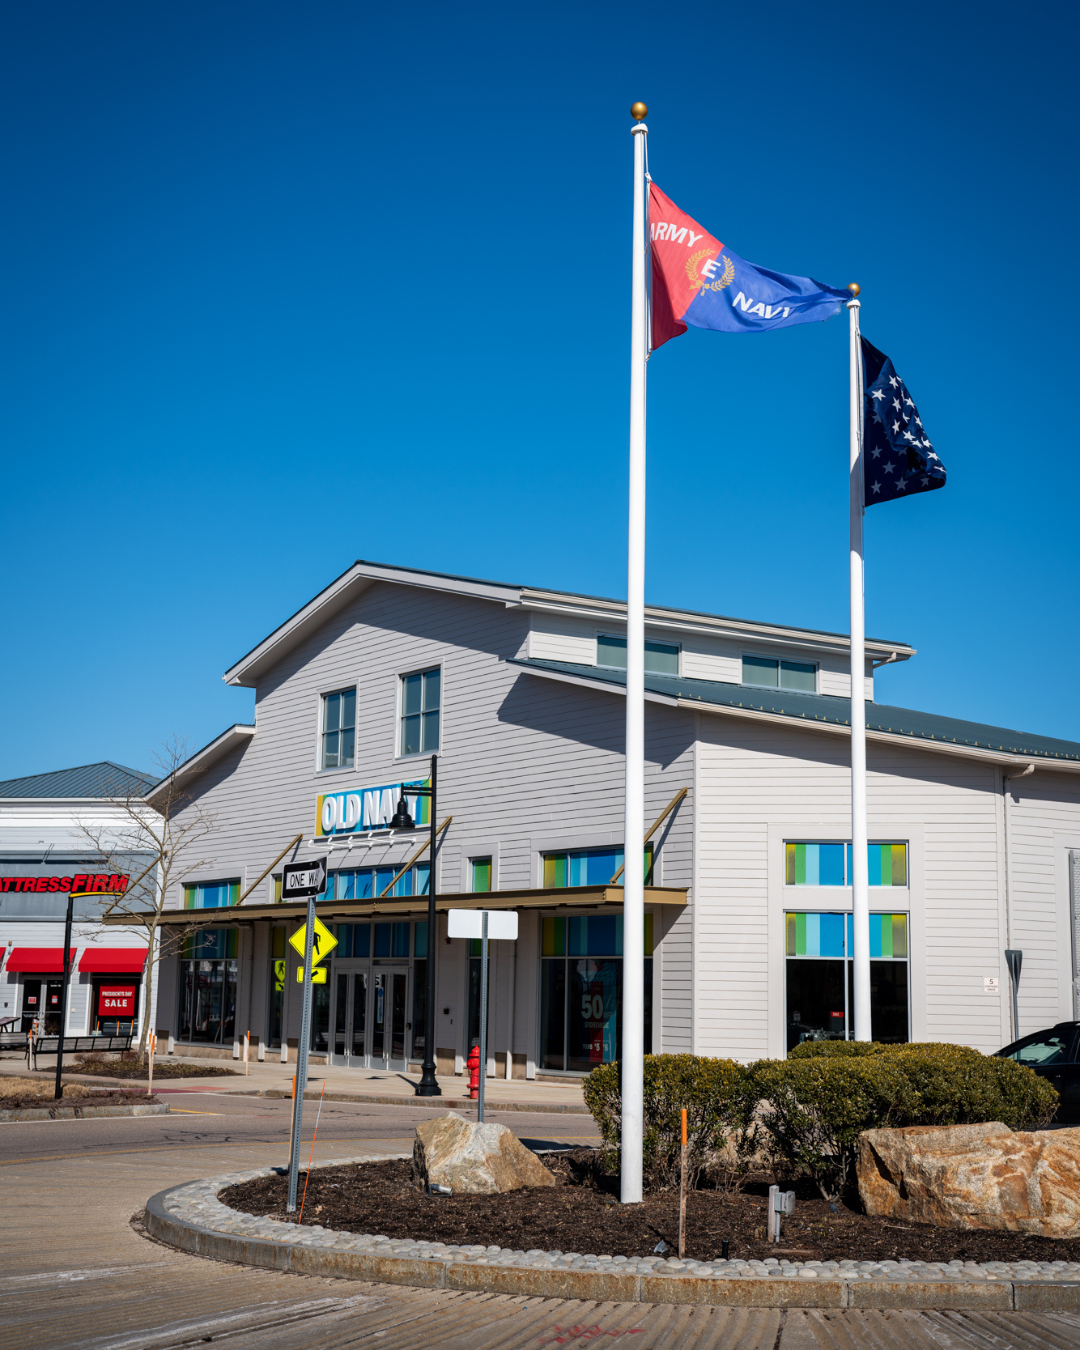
[[350, 1019], [389, 1003]]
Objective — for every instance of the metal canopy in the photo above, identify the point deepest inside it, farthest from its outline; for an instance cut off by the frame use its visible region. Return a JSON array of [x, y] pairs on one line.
[[350, 911]]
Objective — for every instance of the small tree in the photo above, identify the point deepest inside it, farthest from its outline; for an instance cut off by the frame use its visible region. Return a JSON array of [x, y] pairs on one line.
[[162, 834]]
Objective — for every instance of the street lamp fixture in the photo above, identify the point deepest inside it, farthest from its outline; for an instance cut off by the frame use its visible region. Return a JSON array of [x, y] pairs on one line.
[[428, 1085]]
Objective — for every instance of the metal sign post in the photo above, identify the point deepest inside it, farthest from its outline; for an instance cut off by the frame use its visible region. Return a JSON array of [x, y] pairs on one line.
[[302, 879], [59, 1092], [495, 924]]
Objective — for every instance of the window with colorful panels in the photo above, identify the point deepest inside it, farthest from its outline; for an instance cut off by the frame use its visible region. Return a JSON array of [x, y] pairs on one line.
[[581, 990], [829, 864], [589, 867], [367, 883], [211, 894], [819, 980]]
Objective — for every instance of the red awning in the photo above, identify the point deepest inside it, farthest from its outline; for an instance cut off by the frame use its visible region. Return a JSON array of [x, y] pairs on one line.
[[40, 960], [114, 960]]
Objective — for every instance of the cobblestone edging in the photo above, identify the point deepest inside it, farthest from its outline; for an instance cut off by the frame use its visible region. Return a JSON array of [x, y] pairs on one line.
[[192, 1218], [83, 1112]]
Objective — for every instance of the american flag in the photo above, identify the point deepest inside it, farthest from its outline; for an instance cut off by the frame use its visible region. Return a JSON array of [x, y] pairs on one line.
[[898, 459]]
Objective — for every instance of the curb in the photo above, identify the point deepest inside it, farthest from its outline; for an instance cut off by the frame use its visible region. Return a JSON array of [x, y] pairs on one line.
[[83, 1112], [307, 1258], [438, 1103]]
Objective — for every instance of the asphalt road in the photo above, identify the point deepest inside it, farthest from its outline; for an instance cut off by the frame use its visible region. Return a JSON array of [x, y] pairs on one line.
[[199, 1120]]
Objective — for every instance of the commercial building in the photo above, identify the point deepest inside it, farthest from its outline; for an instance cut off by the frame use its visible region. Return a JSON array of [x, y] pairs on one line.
[[48, 825], [519, 692]]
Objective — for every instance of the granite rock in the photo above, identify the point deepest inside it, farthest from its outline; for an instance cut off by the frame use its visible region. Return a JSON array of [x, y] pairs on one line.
[[474, 1159], [974, 1176]]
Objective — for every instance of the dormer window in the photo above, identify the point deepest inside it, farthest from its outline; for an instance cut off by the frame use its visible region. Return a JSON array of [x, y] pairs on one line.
[[661, 658], [769, 673]]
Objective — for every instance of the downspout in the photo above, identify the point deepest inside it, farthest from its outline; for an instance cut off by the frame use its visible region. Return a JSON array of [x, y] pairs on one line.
[[1006, 779]]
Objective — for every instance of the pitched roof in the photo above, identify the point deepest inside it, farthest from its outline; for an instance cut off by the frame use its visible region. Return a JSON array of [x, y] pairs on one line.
[[87, 780], [353, 582], [827, 712]]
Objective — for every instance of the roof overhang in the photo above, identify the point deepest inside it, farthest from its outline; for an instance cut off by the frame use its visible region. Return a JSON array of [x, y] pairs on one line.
[[348, 587], [237, 735], [349, 911]]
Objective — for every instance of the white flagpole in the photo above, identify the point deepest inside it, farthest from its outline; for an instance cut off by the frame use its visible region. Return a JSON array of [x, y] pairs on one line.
[[860, 892], [633, 983]]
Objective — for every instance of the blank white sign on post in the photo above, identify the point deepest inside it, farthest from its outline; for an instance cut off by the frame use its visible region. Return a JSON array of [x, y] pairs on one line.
[[469, 923]]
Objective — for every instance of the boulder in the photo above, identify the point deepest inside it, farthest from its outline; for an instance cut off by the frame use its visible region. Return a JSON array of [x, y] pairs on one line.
[[474, 1159], [974, 1176]]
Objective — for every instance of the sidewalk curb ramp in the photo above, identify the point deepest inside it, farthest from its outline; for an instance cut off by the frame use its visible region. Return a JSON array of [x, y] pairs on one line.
[[83, 1112], [309, 1258]]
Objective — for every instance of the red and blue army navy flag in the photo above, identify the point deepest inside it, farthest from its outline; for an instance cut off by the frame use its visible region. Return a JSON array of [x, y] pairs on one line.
[[699, 283], [898, 458]]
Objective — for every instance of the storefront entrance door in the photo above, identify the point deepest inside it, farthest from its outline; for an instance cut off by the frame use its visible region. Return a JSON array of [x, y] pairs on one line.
[[350, 1019], [389, 1002], [41, 1003]]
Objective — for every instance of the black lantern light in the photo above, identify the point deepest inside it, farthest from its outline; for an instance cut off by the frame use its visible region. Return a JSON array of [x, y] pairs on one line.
[[401, 819]]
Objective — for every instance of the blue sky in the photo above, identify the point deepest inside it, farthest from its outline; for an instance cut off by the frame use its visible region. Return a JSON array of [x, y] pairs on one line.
[[287, 285]]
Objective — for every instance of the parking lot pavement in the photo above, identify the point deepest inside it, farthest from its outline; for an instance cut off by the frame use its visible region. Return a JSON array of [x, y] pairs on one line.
[[77, 1273]]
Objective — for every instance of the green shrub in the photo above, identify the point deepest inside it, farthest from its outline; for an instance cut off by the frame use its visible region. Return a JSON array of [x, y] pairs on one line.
[[813, 1105], [713, 1091], [813, 1109]]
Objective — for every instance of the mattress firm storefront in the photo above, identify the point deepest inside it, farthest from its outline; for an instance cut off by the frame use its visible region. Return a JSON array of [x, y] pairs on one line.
[[518, 695]]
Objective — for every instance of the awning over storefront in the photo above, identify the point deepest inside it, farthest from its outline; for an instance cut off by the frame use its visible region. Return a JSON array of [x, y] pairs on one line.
[[349, 911], [114, 960], [39, 960]]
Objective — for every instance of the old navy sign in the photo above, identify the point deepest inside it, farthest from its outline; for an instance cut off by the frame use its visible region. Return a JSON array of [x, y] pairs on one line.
[[369, 808]]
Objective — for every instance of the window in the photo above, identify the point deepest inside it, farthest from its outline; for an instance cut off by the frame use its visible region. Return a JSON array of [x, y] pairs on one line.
[[368, 883], [208, 986], [661, 658], [339, 729], [830, 864], [771, 674], [1043, 1049], [589, 867], [819, 949], [420, 712], [211, 895], [480, 874], [581, 991]]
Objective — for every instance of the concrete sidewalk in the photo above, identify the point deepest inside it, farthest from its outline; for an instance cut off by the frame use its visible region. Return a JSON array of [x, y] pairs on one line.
[[272, 1078]]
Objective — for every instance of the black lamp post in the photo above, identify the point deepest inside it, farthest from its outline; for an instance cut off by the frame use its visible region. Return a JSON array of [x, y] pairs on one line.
[[428, 1085]]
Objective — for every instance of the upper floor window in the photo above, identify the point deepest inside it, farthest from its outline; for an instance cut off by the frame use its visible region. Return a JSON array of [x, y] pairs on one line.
[[830, 864], [589, 867], [211, 894], [661, 658], [338, 730], [773, 674], [480, 869], [420, 697]]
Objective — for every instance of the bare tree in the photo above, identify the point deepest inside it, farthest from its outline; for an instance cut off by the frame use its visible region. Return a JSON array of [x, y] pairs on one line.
[[159, 838]]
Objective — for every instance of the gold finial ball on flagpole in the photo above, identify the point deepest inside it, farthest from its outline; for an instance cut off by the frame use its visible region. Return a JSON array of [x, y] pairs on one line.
[[855, 288], [638, 111]]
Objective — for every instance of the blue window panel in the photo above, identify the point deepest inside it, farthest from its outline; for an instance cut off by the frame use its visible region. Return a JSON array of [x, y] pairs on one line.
[[403, 885], [383, 939], [579, 867], [813, 931], [361, 939], [212, 897], [874, 867], [831, 939], [602, 866], [345, 940], [421, 938], [576, 936], [830, 864], [601, 935], [875, 934], [383, 877], [423, 878], [401, 939]]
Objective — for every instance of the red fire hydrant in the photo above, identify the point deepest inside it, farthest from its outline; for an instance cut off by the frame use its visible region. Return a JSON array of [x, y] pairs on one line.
[[474, 1073]]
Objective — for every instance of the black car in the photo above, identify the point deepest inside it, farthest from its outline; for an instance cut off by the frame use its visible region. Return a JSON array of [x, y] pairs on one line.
[[1054, 1054]]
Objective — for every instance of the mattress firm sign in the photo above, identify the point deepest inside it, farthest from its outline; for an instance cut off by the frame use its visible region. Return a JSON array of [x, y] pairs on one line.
[[369, 808]]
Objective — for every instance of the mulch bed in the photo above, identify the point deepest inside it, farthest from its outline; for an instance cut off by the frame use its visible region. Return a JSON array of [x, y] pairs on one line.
[[96, 1098], [131, 1068], [582, 1214]]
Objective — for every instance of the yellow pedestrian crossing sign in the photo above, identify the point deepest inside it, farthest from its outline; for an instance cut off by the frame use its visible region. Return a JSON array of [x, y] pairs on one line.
[[318, 974], [325, 942]]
